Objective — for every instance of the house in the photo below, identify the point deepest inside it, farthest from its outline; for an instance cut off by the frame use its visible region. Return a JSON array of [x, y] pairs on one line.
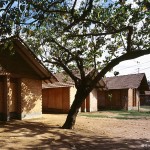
[[145, 99], [123, 92], [21, 75], [58, 97]]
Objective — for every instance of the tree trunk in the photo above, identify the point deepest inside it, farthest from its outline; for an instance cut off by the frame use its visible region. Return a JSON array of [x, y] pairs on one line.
[[71, 118]]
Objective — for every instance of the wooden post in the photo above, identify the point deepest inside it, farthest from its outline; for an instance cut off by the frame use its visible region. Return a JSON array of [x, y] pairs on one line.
[[6, 116], [138, 105]]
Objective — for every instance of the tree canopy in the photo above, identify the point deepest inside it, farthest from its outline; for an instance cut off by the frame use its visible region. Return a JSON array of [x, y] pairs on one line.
[[91, 34]]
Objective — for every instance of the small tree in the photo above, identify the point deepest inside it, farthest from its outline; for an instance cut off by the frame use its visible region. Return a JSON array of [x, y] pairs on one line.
[[110, 99], [90, 35]]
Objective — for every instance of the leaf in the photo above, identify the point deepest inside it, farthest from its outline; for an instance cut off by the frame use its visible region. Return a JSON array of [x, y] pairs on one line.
[[144, 8], [22, 8]]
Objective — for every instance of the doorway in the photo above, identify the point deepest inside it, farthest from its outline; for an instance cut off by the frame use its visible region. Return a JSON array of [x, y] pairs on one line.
[[13, 98]]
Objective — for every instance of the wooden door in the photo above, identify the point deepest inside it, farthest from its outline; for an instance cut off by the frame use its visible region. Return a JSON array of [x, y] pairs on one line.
[[88, 103]]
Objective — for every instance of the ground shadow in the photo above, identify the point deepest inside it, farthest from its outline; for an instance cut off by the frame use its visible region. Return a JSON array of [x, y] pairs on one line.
[[36, 135]]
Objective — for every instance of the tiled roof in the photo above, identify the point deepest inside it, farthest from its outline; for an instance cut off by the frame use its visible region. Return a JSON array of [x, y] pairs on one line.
[[125, 81], [63, 77], [65, 81], [57, 85]]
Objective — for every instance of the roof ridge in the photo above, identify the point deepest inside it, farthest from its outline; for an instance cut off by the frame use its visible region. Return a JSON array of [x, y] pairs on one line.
[[126, 75]]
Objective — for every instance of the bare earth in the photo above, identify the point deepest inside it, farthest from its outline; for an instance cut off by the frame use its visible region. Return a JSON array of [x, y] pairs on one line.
[[89, 134]]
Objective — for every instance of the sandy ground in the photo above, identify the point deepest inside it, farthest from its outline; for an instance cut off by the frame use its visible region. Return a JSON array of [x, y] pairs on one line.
[[89, 134]]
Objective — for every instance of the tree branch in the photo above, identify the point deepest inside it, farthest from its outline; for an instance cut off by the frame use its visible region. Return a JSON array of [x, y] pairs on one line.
[[100, 34], [58, 62], [40, 7], [79, 62], [67, 50], [70, 73], [116, 61], [82, 17], [7, 8], [130, 28], [100, 23], [73, 7], [9, 5], [122, 41]]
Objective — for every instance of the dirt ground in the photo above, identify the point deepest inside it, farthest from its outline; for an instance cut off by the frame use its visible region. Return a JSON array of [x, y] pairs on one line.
[[89, 134]]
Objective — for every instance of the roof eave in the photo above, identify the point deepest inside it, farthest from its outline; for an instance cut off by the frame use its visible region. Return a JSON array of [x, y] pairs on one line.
[[33, 61]]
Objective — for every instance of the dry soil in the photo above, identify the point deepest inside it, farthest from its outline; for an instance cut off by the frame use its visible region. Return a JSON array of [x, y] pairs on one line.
[[89, 134]]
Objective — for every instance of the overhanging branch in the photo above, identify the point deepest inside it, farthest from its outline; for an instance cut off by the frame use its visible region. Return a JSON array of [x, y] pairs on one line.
[[100, 34], [100, 23], [50, 5], [82, 17], [130, 28], [116, 61], [69, 72], [73, 7]]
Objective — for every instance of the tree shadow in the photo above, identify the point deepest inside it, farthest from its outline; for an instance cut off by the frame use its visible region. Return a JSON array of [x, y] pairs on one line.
[[16, 135]]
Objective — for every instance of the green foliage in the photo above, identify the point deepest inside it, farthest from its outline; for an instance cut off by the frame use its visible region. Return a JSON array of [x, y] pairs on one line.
[[85, 43], [71, 35], [118, 114]]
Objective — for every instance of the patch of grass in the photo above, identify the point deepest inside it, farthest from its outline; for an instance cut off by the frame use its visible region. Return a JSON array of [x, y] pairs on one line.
[[95, 116], [145, 107], [106, 116], [117, 114], [135, 113]]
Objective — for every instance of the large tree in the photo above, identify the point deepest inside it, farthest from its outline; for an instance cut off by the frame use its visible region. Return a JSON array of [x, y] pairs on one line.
[[80, 35]]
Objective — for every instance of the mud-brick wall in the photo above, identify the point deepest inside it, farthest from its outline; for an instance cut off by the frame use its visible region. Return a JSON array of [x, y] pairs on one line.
[[130, 99], [137, 98], [72, 94], [31, 98], [93, 101], [101, 99]]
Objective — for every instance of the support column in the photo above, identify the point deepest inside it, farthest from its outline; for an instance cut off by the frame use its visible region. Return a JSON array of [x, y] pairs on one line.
[[130, 99], [138, 100], [6, 115]]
